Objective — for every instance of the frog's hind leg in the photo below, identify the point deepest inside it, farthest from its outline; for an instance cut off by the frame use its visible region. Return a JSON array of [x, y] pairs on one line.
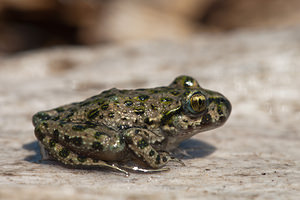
[[68, 157]]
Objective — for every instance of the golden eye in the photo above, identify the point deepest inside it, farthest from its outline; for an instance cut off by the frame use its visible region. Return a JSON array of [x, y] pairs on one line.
[[198, 102]]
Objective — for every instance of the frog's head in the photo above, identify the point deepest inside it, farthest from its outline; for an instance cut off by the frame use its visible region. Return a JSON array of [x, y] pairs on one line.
[[201, 109], [205, 109]]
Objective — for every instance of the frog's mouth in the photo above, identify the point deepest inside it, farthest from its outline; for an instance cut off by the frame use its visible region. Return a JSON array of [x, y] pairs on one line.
[[216, 114]]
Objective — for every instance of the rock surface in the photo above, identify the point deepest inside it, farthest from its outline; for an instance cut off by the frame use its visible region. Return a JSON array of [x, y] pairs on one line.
[[254, 156]]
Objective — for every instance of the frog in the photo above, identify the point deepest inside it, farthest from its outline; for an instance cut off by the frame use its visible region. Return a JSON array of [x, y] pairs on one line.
[[125, 130]]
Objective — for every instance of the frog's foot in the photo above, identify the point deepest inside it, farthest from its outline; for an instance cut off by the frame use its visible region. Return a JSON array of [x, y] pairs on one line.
[[145, 170], [173, 159], [68, 157], [140, 142]]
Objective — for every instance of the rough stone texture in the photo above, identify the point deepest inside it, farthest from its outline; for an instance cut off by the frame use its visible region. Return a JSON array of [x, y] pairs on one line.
[[254, 156]]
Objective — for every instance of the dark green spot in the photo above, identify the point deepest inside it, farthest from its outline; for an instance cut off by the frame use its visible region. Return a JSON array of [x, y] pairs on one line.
[[90, 124], [61, 123], [175, 93], [70, 115], [98, 134], [42, 116], [72, 110], [97, 146], [111, 115], [122, 140], [67, 138], [153, 107], [93, 114], [77, 141], [157, 159], [39, 134], [64, 153], [164, 159], [186, 93], [60, 109], [45, 124], [151, 153], [106, 91], [52, 143], [143, 97], [55, 118], [55, 135], [109, 95], [154, 91], [128, 103], [142, 144], [100, 102], [141, 89], [139, 110], [219, 110], [85, 103], [81, 158], [166, 100], [148, 121], [222, 119], [104, 106], [123, 118], [78, 128], [123, 91]]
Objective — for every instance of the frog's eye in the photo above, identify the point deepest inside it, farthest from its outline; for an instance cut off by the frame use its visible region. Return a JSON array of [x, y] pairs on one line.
[[198, 102]]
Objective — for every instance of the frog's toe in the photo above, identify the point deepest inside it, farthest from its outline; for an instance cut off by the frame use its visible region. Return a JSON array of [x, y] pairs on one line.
[[173, 159], [145, 170]]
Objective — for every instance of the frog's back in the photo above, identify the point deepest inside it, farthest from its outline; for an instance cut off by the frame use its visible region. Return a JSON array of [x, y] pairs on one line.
[[122, 109]]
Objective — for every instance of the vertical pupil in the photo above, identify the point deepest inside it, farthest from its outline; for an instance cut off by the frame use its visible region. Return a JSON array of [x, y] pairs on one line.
[[200, 102]]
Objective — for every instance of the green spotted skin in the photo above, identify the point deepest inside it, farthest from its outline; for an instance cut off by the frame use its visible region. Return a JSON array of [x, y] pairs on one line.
[[141, 126]]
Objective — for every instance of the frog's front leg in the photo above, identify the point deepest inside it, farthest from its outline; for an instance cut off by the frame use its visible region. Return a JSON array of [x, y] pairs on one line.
[[140, 141]]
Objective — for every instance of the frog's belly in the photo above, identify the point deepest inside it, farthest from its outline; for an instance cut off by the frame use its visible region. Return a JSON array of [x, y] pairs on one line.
[[110, 155]]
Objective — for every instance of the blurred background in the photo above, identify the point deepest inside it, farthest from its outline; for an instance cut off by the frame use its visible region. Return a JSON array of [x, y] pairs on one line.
[[32, 24]]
